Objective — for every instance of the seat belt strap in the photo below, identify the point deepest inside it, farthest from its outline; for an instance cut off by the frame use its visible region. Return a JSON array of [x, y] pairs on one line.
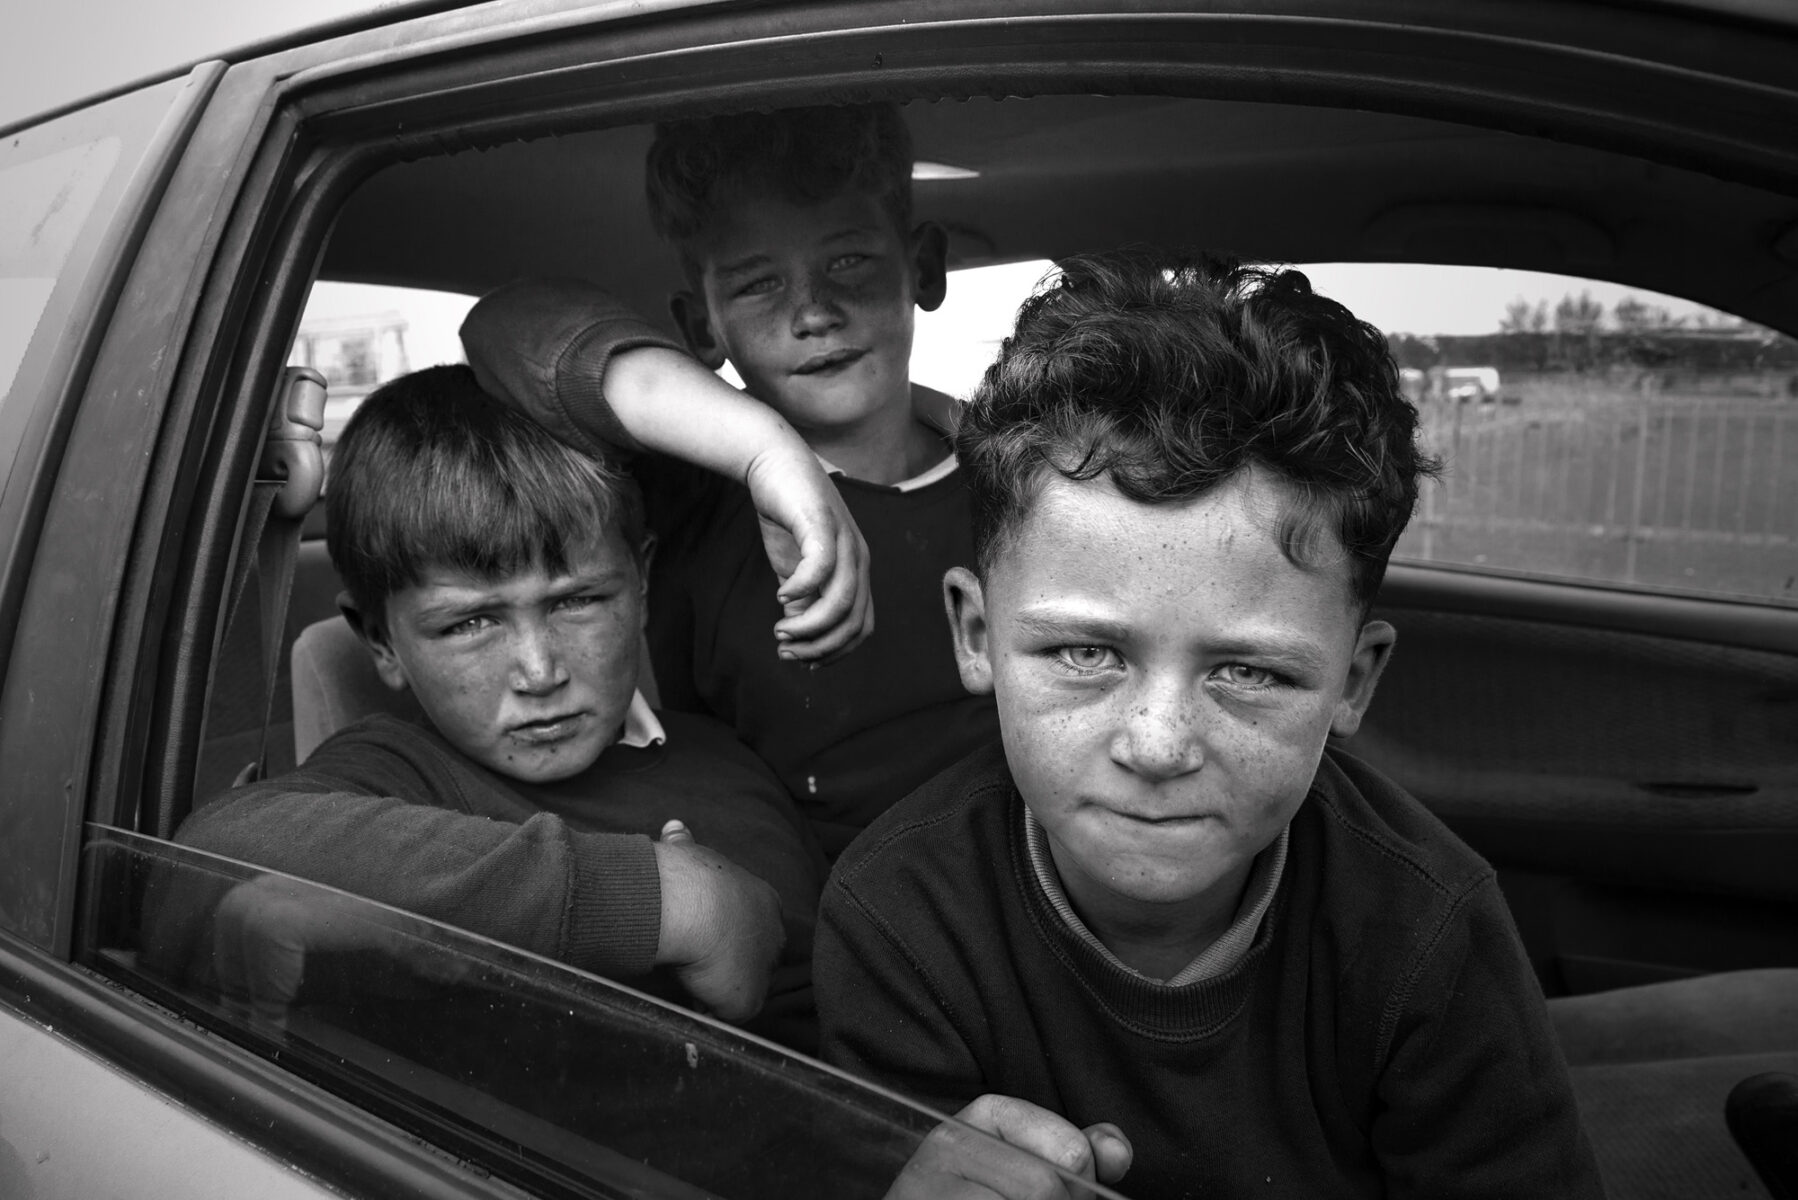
[[288, 483]]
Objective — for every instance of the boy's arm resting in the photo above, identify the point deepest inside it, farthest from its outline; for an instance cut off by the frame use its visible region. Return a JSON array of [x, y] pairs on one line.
[[582, 365], [1473, 1098], [544, 346], [379, 813], [590, 900], [878, 1015]]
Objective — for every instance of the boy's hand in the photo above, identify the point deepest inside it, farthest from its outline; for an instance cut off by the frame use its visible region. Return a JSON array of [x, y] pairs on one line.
[[673, 405], [721, 929], [955, 1163], [817, 553]]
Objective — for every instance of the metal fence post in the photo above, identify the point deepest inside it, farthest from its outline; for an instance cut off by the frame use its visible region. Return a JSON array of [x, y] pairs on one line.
[[1636, 490]]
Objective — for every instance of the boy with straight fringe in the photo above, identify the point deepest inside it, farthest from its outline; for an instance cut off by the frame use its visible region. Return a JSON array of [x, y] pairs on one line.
[[795, 232], [498, 575], [1161, 926]]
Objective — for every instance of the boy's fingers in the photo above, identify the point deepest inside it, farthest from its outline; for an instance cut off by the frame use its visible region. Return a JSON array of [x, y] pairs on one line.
[[817, 563], [840, 616], [835, 641], [1112, 1152], [1045, 1134]]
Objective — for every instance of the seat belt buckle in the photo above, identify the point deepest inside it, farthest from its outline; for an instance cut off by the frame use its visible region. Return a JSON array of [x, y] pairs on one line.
[[293, 448]]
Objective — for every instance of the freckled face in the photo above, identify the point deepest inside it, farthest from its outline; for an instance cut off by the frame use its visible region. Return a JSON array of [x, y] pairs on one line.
[[529, 675], [1165, 680], [813, 305]]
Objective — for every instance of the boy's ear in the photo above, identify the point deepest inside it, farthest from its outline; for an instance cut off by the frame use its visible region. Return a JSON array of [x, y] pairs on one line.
[[964, 599], [929, 260], [1372, 650], [695, 325], [374, 636], [646, 558]]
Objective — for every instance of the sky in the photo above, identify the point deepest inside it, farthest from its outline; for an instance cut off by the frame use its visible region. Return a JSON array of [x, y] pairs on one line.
[[954, 344]]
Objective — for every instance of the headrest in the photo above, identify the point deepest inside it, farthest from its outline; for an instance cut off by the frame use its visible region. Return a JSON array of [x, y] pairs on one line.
[[335, 683]]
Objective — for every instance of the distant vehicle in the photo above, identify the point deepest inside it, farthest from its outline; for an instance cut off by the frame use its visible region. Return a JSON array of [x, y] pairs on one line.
[[1472, 385]]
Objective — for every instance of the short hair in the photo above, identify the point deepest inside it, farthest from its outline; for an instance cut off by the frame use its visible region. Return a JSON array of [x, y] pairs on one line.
[[431, 472], [1168, 375], [698, 167]]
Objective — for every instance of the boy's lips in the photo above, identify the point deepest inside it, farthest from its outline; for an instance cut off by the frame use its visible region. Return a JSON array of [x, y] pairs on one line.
[[548, 730], [829, 361]]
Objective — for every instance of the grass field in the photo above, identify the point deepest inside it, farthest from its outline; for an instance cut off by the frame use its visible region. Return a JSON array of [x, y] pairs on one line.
[[1596, 480]]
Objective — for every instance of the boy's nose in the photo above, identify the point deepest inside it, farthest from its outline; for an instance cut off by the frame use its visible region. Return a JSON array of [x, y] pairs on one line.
[[818, 310], [536, 666], [1160, 736]]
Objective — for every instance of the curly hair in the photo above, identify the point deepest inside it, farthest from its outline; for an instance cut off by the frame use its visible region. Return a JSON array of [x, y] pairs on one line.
[[431, 472], [1169, 375], [804, 155]]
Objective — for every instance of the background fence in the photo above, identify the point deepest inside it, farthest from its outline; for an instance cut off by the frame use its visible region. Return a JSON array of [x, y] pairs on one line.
[[1696, 488]]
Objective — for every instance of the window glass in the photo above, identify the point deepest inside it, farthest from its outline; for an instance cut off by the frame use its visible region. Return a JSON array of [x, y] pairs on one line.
[[359, 336], [539, 1072], [44, 204]]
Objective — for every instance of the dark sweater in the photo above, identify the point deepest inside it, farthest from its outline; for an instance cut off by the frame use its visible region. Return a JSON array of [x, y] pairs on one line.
[[847, 740], [1383, 1035], [389, 810]]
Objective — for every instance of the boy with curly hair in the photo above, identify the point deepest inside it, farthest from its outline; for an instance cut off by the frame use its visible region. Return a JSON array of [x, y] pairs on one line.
[[1162, 925]]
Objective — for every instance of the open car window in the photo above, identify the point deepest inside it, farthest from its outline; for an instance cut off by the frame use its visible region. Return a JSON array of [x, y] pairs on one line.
[[1589, 432]]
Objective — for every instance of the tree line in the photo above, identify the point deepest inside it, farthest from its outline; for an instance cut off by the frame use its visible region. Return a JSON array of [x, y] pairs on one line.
[[1575, 335]]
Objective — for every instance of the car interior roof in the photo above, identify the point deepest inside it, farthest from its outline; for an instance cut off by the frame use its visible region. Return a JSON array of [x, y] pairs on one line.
[[1056, 174]]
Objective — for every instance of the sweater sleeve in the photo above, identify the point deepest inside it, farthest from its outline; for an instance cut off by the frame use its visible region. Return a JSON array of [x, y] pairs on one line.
[[372, 822], [880, 1014], [543, 346], [1473, 1095]]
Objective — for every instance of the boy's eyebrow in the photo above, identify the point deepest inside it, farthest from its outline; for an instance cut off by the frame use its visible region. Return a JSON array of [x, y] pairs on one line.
[[1063, 623], [473, 599], [758, 260], [748, 262]]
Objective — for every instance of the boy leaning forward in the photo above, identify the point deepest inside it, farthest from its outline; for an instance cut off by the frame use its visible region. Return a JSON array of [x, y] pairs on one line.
[[1162, 932]]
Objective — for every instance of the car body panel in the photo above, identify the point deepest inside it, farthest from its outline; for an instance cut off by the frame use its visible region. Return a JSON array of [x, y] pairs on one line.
[[54, 1089]]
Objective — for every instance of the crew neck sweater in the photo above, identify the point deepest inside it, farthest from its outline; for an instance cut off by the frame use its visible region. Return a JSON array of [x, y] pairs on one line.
[[1382, 1035], [848, 739]]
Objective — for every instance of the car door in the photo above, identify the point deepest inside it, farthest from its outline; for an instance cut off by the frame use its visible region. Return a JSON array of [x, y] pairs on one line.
[[79, 193]]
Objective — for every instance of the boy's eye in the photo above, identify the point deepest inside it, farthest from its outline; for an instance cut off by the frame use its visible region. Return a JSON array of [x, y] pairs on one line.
[[577, 603], [1244, 675], [759, 287], [844, 261], [467, 625], [1089, 658]]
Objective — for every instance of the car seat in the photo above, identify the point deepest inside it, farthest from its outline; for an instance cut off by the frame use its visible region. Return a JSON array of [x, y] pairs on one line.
[[1654, 1065]]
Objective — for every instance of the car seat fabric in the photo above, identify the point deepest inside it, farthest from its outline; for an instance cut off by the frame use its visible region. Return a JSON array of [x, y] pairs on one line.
[[1653, 1065], [335, 684]]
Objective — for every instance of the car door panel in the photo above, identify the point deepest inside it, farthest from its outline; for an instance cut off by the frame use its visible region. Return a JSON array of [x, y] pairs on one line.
[[1637, 790]]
